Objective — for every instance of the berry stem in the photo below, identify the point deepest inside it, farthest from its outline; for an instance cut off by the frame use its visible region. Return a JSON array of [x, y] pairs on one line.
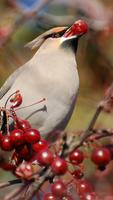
[[9, 183], [31, 104]]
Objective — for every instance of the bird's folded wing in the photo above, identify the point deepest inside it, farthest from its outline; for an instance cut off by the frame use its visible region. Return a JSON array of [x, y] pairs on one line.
[[9, 82]]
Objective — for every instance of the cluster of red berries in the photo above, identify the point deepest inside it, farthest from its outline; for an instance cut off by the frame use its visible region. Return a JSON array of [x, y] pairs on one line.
[[23, 140], [19, 136], [100, 156], [60, 190], [27, 145]]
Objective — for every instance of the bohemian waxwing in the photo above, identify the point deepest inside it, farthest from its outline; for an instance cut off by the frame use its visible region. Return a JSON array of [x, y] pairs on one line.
[[51, 74]]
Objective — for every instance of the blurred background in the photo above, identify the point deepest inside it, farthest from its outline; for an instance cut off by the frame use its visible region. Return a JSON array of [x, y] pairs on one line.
[[23, 20]]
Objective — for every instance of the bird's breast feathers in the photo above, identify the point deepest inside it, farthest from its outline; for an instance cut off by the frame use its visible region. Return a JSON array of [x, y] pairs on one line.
[[52, 77]]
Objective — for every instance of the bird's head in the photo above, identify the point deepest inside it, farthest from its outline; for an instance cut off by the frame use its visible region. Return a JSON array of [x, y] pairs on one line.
[[72, 34], [64, 35]]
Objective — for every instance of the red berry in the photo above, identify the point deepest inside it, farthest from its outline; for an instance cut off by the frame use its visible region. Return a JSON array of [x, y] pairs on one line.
[[6, 144], [23, 124], [101, 156], [17, 137], [76, 157], [84, 187], [8, 167], [41, 145], [89, 196], [80, 27], [77, 174], [45, 157], [58, 188], [32, 136], [24, 152], [59, 166], [49, 196]]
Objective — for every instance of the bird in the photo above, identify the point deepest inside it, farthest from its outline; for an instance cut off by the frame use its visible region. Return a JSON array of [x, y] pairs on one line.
[[51, 74]]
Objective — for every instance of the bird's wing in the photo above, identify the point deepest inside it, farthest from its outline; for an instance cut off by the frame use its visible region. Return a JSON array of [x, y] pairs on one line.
[[37, 42], [9, 82]]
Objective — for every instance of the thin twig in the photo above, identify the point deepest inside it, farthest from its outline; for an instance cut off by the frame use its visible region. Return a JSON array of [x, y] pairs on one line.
[[10, 183], [36, 185], [88, 131]]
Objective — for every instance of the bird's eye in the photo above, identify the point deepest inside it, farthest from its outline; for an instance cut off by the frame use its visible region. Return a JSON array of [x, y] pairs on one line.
[[55, 35]]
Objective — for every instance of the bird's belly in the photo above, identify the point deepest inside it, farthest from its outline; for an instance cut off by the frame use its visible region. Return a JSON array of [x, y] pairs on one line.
[[60, 102], [60, 92]]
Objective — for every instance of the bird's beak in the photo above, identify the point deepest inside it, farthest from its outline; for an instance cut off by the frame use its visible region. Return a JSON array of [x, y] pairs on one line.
[[79, 28]]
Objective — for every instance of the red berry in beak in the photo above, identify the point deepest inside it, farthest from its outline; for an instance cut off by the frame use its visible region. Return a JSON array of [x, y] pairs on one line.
[[80, 27]]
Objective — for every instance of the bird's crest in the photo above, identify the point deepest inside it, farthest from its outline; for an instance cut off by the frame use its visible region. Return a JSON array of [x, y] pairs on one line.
[[37, 42]]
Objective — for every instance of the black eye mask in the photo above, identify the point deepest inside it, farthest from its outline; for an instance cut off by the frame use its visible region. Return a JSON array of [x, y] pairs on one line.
[[56, 35]]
